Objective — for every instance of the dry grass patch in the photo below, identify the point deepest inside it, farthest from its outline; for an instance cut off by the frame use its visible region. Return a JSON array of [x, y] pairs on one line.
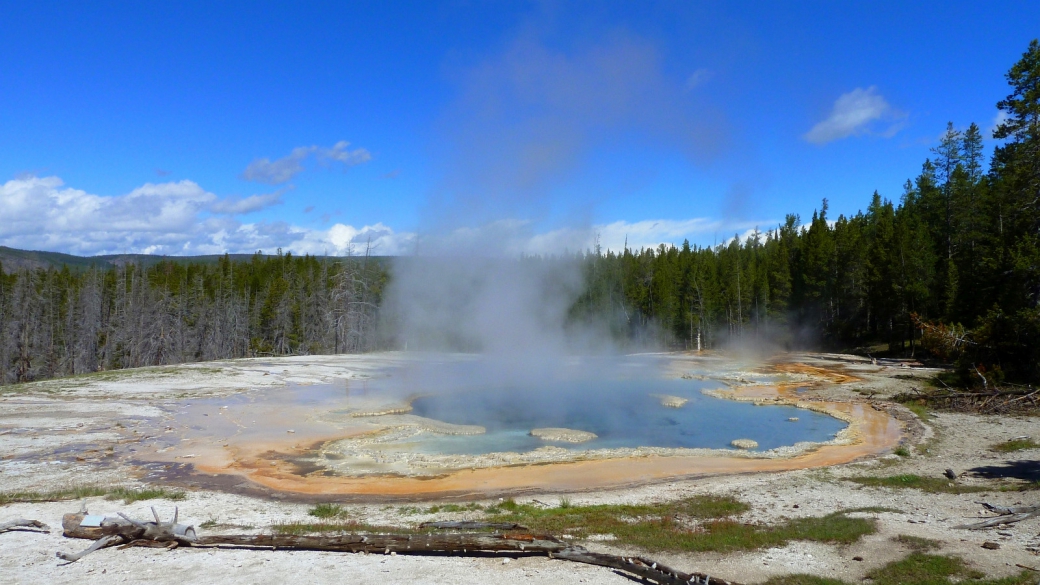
[[1019, 444], [927, 484], [128, 495]]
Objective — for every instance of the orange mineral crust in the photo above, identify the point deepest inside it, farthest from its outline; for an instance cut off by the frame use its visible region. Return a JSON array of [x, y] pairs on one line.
[[269, 464]]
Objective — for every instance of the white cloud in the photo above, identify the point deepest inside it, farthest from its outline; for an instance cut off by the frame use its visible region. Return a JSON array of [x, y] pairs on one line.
[[239, 205], [175, 218], [282, 170], [697, 78], [181, 218], [853, 113], [999, 119], [652, 233], [514, 237]]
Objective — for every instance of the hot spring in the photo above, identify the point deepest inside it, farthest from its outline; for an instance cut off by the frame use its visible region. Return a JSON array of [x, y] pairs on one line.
[[462, 423]]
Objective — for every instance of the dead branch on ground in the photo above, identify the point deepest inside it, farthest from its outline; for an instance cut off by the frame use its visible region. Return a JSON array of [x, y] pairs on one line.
[[114, 531], [109, 531], [23, 525], [989, 401], [1007, 515]]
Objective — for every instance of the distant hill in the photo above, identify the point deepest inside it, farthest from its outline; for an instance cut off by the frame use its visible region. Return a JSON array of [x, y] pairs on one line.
[[15, 259]]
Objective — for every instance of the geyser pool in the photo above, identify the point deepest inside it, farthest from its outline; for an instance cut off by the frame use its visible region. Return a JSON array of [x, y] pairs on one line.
[[434, 414], [627, 402], [622, 413]]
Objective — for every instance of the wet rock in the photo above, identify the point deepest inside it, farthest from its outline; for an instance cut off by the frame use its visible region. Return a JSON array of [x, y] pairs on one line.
[[744, 443], [671, 401], [559, 435]]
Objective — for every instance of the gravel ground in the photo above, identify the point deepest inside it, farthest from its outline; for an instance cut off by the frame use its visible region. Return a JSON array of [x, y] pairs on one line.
[[56, 435]]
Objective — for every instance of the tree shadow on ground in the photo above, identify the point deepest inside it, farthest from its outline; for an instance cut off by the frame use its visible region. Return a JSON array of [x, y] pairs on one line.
[[1027, 470]]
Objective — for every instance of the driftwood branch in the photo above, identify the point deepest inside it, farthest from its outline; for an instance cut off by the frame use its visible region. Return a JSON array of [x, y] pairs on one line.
[[109, 531], [23, 525], [1007, 515], [464, 544], [128, 532], [103, 542]]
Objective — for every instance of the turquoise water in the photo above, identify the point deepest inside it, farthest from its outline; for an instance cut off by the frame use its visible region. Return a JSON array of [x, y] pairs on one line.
[[619, 409]]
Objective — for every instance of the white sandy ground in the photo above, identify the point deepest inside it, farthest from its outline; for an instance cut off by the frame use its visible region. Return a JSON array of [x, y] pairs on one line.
[[956, 441]]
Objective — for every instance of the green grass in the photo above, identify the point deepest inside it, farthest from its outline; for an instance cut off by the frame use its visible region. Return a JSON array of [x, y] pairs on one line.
[[672, 526], [327, 511], [128, 495], [918, 409], [301, 528], [800, 579], [917, 569], [213, 523], [924, 569], [927, 484], [472, 506], [1015, 445], [72, 493], [916, 543], [902, 451]]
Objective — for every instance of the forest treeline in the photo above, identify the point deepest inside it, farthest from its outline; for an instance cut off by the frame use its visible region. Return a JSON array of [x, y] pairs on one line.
[[59, 322], [950, 269], [954, 263]]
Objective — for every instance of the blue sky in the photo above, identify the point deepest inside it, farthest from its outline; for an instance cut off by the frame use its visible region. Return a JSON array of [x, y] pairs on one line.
[[210, 127]]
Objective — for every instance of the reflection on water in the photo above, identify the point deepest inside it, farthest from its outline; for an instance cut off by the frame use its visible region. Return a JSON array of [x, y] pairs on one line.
[[627, 402], [623, 413]]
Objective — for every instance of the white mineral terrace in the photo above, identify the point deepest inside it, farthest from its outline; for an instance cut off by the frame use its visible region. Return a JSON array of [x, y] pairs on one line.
[[208, 417]]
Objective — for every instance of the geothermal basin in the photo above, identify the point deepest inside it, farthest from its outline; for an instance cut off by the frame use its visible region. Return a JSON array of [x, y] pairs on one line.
[[459, 424], [413, 426]]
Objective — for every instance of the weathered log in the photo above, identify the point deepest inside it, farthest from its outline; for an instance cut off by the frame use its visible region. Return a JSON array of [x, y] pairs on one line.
[[103, 542], [399, 543], [639, 566], [472, 525], [1010, 510], [83, 525], [463, 543], [23, 525], [125, 531], [110, 531], [1007, 515]]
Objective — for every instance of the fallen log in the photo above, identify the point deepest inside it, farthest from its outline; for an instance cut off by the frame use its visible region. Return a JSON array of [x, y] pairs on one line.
[[1009, 510], [1007, 515], [23, 525], [462, 544], [110, 531], [125, 531]]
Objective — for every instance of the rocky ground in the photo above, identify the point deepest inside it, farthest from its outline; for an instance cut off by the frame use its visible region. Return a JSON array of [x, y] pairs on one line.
[[43, 430]]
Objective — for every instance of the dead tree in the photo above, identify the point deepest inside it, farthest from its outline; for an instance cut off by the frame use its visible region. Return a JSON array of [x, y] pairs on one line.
[[23, 525], [109, 531], [123, 530], [1006, 516]]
